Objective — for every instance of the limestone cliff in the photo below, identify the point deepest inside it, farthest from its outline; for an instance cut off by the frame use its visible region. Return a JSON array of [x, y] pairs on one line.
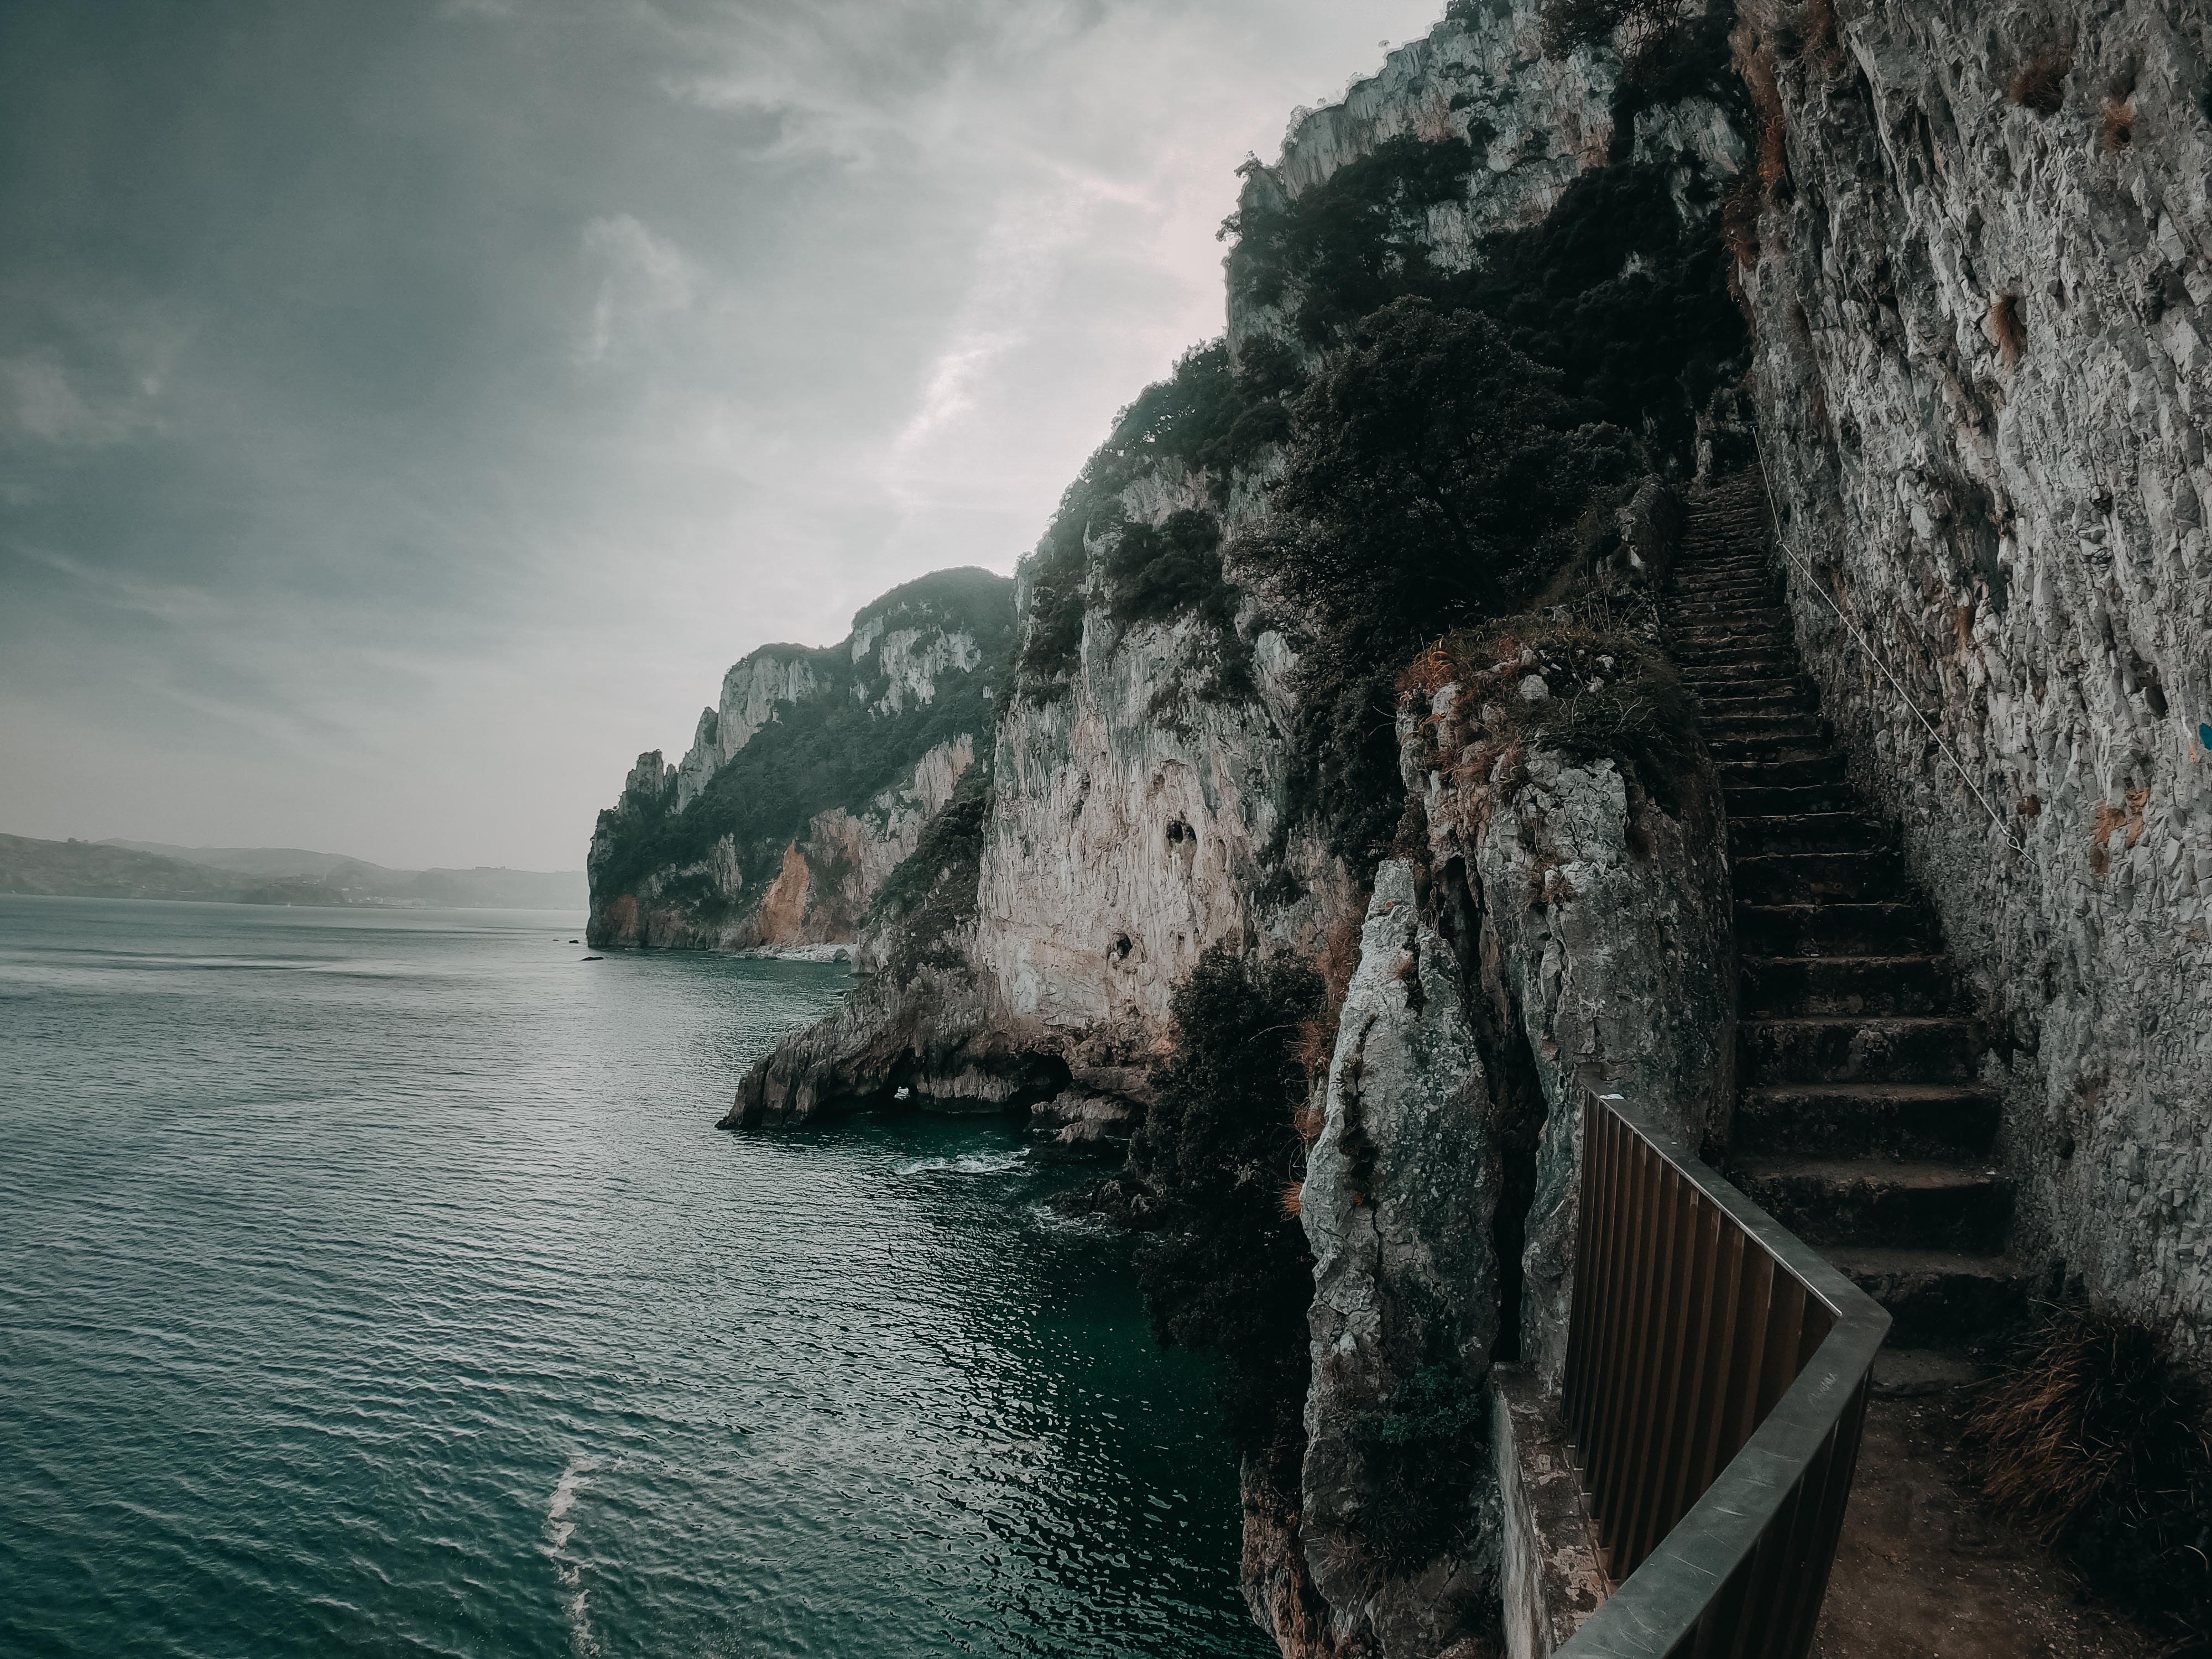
[[1981, 273], [1949, 262], [811, 782]]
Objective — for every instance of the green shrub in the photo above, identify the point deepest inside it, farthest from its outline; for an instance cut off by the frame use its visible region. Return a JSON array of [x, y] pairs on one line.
[[1435, 476], [1610, 694], [1350, 243], [1175, 567], [1206, 417], [1423, 1449], [930, 899], [1228, 1271], [1628, 303]]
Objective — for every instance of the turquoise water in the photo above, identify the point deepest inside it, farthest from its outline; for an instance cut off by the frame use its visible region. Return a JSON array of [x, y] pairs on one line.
[[373, 1282]]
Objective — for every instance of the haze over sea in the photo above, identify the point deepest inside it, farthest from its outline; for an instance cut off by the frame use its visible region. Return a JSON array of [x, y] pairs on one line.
[[373, 1282]]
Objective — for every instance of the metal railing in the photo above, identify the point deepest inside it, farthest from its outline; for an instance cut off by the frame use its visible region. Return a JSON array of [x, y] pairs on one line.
[[1715, 1385]]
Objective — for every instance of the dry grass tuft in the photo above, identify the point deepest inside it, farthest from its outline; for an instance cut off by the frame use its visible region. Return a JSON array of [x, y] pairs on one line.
[[1824, 42], [1293, 1198], [2119, 126], [2129, 818], [2041, 83], [1316, 1044], [2099, 1441], [2006, 328]]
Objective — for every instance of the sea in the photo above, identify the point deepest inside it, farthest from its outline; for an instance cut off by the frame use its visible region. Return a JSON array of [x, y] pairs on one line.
[[376, 1282]]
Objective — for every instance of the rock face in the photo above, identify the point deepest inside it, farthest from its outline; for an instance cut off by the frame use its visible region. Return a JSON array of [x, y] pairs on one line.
[[1983, 383], [1126, 837], [770, 832], [1399, 1206]]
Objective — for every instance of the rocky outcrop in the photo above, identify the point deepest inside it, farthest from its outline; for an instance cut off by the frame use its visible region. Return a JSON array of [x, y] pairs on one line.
[[1981, 284], [810, 783], [1597, 925], [756, 684]]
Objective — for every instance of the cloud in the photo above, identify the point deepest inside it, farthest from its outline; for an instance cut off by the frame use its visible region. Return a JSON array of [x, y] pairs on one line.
[[643, 280], [38, 398], [406, 446]]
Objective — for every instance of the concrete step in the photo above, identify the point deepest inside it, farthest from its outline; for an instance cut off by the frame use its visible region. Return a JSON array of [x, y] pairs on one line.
[[1913, 983], [1881, 1202], [1860, 878], [1947, 1297], [1819, 771], [1934, 1120], [1855, 1048], [1753, 833]]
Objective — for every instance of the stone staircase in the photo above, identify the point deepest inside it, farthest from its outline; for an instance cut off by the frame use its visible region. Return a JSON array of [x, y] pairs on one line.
[[1859, 1124]]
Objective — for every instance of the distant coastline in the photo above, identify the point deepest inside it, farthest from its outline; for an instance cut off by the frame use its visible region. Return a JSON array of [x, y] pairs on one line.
[[155, 870]]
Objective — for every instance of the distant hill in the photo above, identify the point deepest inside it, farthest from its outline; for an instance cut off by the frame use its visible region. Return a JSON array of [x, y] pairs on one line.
[[84, 869], [357, 880], [268, 875]]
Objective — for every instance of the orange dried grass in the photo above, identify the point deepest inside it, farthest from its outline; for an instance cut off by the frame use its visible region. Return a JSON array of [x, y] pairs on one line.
[[2008, 329], [2118, 130]]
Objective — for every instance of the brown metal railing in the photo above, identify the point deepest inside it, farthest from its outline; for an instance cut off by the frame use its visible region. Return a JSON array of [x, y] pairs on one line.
[[1715, 1383]]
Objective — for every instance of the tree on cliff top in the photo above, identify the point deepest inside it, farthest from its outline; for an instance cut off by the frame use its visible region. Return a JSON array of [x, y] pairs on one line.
[[1435, 476], [1229, 1271]]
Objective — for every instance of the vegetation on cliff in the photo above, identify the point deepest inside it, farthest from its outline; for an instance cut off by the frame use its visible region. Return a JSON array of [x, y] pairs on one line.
[[1443, 461], [1436, 476], [926, 904], [1200, 424], [1227, 1270]]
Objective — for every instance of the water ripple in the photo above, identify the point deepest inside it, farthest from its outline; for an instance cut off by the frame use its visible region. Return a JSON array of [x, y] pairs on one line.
[[376, 1283]]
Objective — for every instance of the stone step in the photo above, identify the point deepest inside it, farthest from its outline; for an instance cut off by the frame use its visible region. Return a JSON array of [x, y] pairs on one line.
[[1855, 1047], [1739, 622], [1933, 1121], [1786, 700], [1763, 721], [1744, 661], [1710, 582], [1753, 833], [1882, 1202], [1749, 590], [1758, 801], [1701, 646], [1725, 613], [1821, 877], [1834, 930], [1945, 1297], [1772, 749], [1778, 987], [1770, 773], [1723, 680], [1711, 588]]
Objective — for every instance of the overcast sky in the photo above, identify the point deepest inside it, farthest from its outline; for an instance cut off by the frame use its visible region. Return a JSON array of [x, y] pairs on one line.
[[408, 410]]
